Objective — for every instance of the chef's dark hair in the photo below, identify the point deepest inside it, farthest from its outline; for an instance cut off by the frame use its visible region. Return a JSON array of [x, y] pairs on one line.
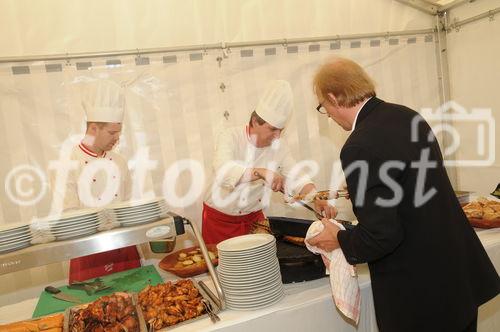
[[100, 125], [257, 118]]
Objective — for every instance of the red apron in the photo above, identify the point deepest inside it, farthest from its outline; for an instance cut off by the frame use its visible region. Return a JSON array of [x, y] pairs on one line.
[[218, 226], [96, 265]]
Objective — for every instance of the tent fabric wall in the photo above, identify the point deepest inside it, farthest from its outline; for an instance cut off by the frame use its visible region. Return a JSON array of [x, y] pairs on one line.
[[473, 53], [60, 26], [175, 109]]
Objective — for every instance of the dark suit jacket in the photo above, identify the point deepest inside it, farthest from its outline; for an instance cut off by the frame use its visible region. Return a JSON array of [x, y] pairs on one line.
[[429, 271]]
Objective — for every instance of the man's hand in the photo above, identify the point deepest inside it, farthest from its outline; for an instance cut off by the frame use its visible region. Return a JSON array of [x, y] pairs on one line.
[[327, 239], [324, 209], [274, 180]]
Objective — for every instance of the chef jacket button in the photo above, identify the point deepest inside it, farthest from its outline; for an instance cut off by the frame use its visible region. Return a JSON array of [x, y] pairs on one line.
[[114, 177], [116, 195], [93, 180], [86, 162], [239, 212], [99, 198], [260, 200], [110, 158]]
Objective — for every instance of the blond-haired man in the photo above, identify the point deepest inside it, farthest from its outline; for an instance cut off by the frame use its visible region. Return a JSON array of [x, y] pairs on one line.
[[429, 271]]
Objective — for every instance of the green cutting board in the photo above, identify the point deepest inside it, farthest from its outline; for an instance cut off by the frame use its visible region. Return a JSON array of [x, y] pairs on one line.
[[131, 280]]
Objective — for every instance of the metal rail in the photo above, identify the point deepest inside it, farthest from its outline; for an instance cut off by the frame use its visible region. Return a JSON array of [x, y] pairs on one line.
[[205, 47], [208, 260], [489, 13]]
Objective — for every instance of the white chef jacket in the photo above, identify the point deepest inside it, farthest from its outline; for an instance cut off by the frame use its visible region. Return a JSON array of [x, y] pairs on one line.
[[118, 178], [234, 153]]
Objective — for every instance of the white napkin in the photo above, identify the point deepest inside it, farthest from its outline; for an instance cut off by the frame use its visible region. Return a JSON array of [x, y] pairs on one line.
[[343, 277]]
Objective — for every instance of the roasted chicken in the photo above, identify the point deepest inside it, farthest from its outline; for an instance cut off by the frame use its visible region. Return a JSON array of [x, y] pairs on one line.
[[170, 303]]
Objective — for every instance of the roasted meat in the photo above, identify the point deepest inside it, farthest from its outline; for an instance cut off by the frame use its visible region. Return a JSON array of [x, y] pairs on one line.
[[170, 303]]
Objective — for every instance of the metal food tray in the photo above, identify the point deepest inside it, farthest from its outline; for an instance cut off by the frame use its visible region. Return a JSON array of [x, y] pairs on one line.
[[204, 294], [68, 313]]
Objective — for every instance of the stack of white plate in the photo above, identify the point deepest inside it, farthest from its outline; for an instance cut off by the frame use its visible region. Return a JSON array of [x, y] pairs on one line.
[[68, 225], [135, 213], [14, 237], [249, 271]]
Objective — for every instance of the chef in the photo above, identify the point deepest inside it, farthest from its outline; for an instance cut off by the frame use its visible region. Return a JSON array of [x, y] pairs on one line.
[[99, 176], [249, 161]]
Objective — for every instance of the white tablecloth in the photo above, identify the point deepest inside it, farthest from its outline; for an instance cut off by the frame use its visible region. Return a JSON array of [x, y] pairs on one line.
[[307, 306]]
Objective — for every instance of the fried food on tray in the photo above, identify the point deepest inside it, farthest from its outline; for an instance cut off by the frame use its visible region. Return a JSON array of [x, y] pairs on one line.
[[115, 312], [170, 303], [52, 323], [483, 209], [192, 258]]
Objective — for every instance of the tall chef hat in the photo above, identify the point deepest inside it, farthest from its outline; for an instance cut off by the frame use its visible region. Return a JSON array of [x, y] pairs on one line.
[[276, 104], [104, 101]]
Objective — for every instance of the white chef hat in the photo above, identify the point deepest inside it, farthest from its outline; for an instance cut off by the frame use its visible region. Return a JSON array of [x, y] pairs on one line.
[[104, 101], [276, 103]]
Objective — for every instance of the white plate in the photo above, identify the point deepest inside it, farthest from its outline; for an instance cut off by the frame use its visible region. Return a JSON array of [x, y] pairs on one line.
[[140, 221], [128, 213], [258, 289], [248, 264], [255, 304], [14, 235], [13, 226], [137, 203], [259, 277], [247, 260], [245, 242], [247, 283], [250, 256], [76, 234], [13, 244], [14, 230], [272, 298], [70, 215], [76, 226], [73, 220], [269, 251], [135, 211], [143, 215], [19, 240], [14, 248], [74, 230], [231, 271], [244, 299]]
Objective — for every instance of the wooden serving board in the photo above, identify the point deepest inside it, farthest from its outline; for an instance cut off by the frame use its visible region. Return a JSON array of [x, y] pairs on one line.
[[168, 263], [484, 223]]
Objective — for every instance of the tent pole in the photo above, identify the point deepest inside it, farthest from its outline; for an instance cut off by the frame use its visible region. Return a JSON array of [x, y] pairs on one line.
[[454, 4], [422, 5], [444, 87]]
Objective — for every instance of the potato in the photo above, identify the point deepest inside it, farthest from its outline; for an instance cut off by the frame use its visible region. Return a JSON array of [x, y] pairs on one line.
[[187, 262], [197, 258], [211, 255]]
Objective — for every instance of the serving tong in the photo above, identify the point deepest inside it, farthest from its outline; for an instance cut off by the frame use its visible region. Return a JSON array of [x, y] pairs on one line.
[[347, 224]]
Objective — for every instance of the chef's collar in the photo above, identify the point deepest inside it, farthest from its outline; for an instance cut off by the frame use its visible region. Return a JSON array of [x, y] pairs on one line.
[[86, 150]]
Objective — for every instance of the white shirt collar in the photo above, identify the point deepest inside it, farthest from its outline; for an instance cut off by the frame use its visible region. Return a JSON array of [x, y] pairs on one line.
[[357, 113]]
